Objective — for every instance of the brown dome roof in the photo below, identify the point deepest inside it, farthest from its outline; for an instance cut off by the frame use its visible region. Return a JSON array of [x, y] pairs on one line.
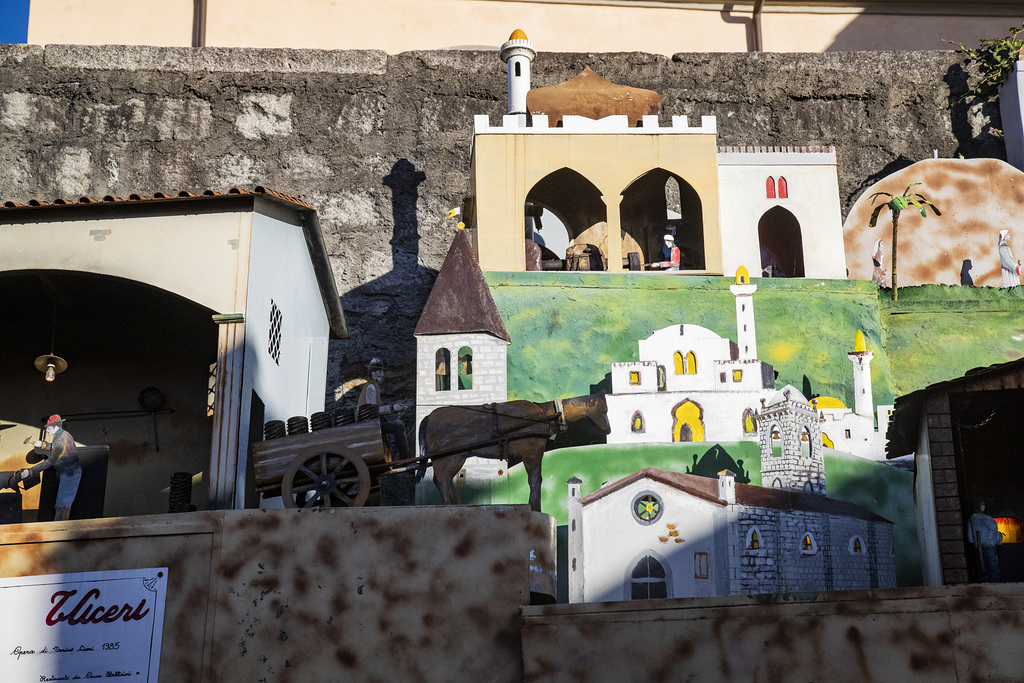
[[594, 97]]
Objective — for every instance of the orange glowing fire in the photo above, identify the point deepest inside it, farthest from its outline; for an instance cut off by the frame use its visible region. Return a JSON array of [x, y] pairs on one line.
[[1011, 528]]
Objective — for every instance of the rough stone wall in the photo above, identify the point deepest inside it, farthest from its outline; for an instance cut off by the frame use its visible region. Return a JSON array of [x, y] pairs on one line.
[[380, 144]]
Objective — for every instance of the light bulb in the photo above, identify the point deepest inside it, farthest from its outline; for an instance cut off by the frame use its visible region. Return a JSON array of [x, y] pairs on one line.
[[50, 373]]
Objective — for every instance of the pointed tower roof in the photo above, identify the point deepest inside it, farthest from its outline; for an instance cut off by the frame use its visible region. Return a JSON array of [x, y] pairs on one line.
[[460, 300]]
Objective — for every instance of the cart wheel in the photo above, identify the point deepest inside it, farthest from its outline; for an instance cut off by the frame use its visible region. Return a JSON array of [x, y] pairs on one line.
[[325, 479]]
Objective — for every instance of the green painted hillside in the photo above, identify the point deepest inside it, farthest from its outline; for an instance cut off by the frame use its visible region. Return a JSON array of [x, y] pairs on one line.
[[567, 328]]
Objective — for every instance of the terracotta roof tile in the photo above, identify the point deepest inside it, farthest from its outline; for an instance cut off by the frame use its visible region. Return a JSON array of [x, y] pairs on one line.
[[157, 196], [706, 488]]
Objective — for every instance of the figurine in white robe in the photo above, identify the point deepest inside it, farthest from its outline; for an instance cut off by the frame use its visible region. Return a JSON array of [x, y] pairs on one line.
[[1006, 261]]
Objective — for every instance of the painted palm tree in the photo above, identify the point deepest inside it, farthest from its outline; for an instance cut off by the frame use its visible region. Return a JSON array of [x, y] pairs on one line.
[[896, 204]]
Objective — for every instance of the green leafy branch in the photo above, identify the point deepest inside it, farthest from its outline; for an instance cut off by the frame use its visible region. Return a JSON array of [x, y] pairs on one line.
[[996, 58]]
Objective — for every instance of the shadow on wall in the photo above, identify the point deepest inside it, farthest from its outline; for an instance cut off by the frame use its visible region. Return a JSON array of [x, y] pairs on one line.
[[382, 313], [976, 123], [878, 31]]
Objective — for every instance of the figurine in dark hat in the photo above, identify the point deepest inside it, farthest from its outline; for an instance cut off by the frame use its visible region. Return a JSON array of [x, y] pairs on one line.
[[62, 456], [391, 426]]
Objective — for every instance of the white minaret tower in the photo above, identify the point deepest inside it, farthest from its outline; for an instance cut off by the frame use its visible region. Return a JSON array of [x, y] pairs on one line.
[[861, 359], [746, 338], [517, 54]]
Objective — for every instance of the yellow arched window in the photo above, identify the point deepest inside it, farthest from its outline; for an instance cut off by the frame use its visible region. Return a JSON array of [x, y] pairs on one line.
[[680, 363], [691, 363], [755, 541], [749, 427]]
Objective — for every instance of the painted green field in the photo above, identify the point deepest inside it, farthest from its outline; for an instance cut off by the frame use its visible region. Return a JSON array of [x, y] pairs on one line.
[[567, 328]]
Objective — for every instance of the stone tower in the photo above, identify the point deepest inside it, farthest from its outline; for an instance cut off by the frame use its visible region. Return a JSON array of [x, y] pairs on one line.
[[789, 423], [461, 340]]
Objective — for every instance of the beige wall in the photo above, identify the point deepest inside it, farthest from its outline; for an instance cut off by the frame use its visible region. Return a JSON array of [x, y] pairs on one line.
[[111, 22], [506, 167], [401, 25]]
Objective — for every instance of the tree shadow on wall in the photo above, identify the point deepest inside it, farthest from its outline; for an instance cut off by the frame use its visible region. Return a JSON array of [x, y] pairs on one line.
[[975, 122], [382, 313]]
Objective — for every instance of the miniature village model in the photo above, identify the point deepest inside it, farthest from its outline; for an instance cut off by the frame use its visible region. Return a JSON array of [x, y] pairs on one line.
[[654, 370]]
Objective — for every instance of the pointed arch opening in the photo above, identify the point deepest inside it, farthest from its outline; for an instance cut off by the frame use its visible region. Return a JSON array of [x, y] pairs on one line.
[[782, 249], [636, 423], [649, 579], [783, 188], [749, 423], [688, 422], [657, 202], [579, 207], [769, 188]]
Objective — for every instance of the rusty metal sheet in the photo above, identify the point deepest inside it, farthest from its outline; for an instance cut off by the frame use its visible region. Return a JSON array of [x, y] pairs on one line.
[[424, 593], [913, 634]]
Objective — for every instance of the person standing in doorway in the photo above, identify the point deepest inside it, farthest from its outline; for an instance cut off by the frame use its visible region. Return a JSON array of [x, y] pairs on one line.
[[983, 533]]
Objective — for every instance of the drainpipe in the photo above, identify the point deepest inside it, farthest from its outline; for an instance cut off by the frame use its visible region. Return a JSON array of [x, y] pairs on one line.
[[199, 23], [758, 43]]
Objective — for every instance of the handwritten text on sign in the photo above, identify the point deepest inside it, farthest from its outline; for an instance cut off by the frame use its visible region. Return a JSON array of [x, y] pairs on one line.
[[77, 627]]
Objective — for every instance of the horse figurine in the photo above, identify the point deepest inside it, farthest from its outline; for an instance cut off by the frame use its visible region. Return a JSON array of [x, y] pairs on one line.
[[516, 431]]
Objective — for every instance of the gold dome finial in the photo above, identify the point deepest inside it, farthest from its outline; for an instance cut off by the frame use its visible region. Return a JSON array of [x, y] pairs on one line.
[[742, 276], [858, 343], [518, 34]]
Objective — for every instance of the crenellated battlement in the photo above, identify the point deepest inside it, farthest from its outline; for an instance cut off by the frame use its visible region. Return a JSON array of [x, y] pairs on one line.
[[515, 124]]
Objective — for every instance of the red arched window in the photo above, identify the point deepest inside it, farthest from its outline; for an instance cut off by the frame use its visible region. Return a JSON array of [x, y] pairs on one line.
[[783, 188], [769, 188]]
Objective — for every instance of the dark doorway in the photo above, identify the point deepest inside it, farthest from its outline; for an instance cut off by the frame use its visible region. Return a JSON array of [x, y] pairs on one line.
[[990, 469], [658, 202], [782, 248], [572, 198]]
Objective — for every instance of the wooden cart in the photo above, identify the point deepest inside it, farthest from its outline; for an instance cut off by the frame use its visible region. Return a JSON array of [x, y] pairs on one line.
[[334, 467]]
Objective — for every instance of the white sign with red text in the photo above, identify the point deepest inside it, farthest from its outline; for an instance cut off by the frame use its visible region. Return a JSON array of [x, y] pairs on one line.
[[80, 627]]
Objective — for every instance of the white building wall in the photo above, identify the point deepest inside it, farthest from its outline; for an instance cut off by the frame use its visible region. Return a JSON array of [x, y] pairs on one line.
[[723, 414], [490, 377], [614, 540], [813, 188], [706, 346], [281, 274]]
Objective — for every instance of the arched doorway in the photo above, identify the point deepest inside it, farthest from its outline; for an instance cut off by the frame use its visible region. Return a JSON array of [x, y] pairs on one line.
[[574, 200], [688, 422], [782, 249], [118, 337], [660, 201]]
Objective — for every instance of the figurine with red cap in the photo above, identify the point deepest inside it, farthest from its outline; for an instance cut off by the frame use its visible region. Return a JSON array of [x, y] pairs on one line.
[[60, 454]]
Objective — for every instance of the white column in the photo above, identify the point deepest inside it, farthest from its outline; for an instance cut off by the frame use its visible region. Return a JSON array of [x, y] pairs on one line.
[[746, 337], [863, 401], [575, 537], [227, 410]]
